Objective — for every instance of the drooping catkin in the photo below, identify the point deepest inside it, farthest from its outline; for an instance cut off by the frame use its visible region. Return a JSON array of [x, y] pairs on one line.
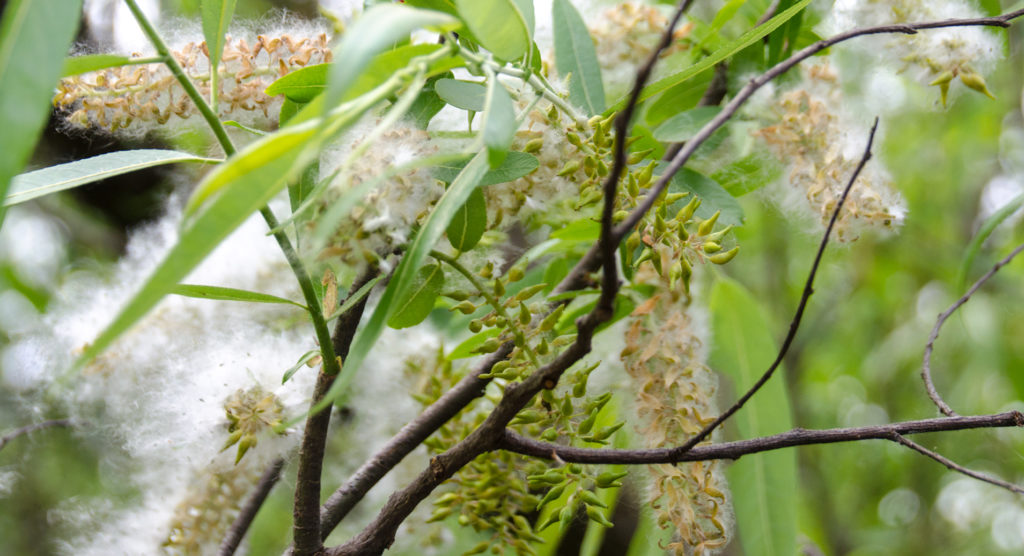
[[675, 399], [135, 97]]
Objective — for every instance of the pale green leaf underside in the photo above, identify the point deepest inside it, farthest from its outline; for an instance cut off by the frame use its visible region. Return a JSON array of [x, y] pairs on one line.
[[220, 293], [575, 56], [37, 183], [75, 65], [502, 26]]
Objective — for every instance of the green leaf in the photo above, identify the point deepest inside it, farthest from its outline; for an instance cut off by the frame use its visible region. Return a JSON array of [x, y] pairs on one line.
[[426, 106], [505, 27], [304, 84], [683, 96], [683, 126], [420, 299], [741, 42], [373, 32], [34, 37], [516, 165], [216, 18], [465, 95], [402, 281], [747, 174], [446, 6], [763, 486], [469, 223], [74, 65], [246, 182], [575, 56], [306, 357], [986, 229], [713, 197], [37, 183], [228, 294], [499, 127]]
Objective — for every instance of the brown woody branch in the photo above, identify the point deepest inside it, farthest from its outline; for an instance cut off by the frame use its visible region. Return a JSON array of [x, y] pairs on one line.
[[306, 528], [514, 442], [252, 506], [926, 365]]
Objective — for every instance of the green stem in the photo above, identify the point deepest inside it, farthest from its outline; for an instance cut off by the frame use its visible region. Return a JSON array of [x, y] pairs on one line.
[[536, 81], [491, 299], [323, 334]]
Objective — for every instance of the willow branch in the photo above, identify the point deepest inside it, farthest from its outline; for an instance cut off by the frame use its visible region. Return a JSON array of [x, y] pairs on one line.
[[926, 365], [29, 429], [953, 466], [514, 442], [306, 528], [252, 506]]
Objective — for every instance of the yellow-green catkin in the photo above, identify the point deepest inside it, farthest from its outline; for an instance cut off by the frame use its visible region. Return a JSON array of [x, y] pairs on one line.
[[675, 398], [135, 96], [202, 518]]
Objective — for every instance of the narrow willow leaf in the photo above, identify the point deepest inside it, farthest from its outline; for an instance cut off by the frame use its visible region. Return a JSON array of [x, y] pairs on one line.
[[465, 95], [713, 197], [420, 299], [228, 294], [986, 229], [427, 105], [34, 37], [505, 27], [725, 52], [37, 183], [683, 96], [245, 183], [304, 84], [376, 30], [306, 358], [576, 57], [763, 487], [355, 298], [499, 127], [401, 281], [469, 223], [684, 125], [216, 19], [74, 65], [516, 165]]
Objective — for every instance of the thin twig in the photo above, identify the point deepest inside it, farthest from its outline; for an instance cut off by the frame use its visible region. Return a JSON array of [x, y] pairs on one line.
[[251, 508], [805, 297], [952, 465], [926, 365], [514, 442], [306, 526], [341, 502], [29, 429]]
